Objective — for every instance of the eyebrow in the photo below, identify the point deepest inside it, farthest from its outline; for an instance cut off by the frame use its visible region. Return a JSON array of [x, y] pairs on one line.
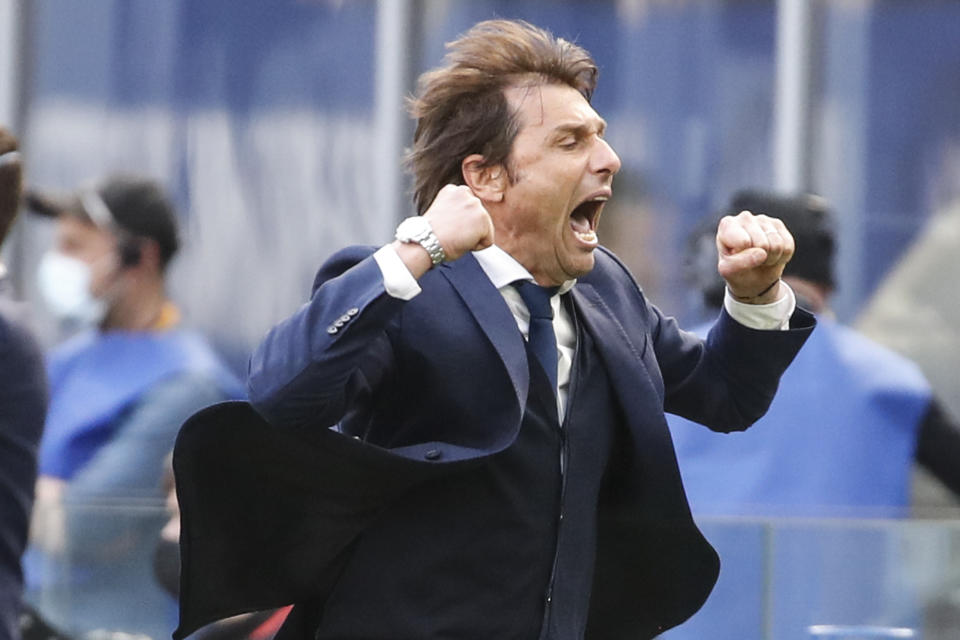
[[581, 128]]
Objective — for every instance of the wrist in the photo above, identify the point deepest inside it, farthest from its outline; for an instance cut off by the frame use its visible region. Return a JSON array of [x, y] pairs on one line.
[[414, 257], [417, 230], [771, 293]]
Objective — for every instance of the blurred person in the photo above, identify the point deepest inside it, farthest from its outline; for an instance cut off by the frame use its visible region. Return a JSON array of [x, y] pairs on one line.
[[915, 311], [462, 431], [120, 388], [839, 440], [23, 401]]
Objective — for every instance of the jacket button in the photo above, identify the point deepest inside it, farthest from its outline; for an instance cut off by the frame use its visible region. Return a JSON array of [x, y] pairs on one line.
[[353, 311], [332, 330], [433, 454], [345, 318]]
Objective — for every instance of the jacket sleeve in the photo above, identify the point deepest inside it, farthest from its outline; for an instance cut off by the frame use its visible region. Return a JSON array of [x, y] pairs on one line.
[[312, 366], [727, 380]]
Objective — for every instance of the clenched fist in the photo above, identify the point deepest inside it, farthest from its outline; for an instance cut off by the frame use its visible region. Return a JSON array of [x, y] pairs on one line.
[[461, 224], [753, 250], [460, 221]]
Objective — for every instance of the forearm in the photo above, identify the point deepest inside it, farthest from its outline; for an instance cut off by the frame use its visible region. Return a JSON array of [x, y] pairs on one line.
[[938, 445], [728, 381]]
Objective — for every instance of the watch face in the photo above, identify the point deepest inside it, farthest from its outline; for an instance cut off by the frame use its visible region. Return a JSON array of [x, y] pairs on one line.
[[410, 228]]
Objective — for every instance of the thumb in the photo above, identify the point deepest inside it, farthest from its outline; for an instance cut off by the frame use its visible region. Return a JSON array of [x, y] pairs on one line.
[[487, 239], [741, 261]]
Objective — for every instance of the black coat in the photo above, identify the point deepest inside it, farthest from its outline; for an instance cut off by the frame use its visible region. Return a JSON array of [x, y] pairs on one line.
[[269, 513]]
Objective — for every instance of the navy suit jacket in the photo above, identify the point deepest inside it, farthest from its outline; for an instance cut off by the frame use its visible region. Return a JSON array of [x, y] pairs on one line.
[[424, 387]]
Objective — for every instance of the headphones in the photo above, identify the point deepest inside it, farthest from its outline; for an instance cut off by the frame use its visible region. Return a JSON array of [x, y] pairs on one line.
[[129, 250], [129, 247]]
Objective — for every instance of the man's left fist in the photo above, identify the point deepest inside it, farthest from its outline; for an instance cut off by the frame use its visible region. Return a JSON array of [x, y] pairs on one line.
[[753, 250]]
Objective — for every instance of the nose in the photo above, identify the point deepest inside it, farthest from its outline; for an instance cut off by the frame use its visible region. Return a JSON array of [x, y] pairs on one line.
[[605, 159]]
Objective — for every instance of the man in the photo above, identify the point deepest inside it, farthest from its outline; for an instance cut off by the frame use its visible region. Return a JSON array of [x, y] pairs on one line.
[[23, 400], [119, 391], [499, 464], [839, 440]]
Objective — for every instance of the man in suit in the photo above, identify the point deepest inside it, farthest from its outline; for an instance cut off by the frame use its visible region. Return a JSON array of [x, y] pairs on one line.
[[464, 429]]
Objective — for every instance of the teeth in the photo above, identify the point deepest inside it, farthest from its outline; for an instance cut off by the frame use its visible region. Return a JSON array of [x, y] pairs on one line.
[[589, 237]]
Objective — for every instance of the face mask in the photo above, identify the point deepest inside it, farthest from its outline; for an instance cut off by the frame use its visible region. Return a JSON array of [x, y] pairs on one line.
[[65, 286]]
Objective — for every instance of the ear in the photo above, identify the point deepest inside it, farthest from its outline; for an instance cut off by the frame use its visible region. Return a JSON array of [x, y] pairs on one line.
[[149, 255], [487, 182]]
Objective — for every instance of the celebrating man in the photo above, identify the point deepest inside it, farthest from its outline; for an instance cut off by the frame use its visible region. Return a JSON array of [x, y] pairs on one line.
[[466, 426]]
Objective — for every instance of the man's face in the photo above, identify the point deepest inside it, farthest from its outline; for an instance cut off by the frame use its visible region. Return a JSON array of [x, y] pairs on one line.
[[562, 172], [90, 244]]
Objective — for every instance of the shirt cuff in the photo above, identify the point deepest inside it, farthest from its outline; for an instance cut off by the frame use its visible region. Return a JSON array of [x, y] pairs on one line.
[[397, 279], [775, 315]]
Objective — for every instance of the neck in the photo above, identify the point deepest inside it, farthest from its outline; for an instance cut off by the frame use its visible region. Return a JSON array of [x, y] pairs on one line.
[[138, 311]]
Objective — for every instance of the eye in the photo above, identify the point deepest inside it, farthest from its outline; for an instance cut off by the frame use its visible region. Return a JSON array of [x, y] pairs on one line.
[[569, 143]]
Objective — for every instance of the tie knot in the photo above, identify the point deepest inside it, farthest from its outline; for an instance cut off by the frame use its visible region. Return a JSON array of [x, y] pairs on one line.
[[537, 298]]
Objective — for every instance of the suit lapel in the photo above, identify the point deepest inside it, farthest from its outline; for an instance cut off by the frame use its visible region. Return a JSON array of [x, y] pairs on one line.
[[627, 363], [494, 317], [622, 354]]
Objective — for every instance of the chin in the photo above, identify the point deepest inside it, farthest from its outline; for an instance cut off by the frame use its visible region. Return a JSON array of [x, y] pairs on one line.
[[581, 266]]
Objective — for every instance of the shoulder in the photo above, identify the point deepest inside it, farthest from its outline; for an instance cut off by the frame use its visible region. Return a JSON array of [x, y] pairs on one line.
[[199, 359], [612, 278], [341, 261], [185, 388], [73, 347], [878, 365], [167, 403]]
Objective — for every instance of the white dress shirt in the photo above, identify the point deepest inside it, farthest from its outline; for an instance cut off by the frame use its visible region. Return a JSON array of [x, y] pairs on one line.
[[503, 271]]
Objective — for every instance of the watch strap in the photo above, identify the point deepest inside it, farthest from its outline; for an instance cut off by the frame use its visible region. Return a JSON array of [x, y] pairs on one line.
[[426, 238]]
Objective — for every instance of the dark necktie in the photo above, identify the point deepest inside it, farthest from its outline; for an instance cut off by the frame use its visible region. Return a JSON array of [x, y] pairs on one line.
[[541, 338]]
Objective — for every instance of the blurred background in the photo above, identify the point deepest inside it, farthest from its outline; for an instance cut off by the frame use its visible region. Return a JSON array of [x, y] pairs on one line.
[[278, 127]]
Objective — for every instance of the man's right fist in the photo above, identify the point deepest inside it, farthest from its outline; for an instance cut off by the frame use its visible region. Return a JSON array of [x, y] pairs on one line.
[[460, 221]]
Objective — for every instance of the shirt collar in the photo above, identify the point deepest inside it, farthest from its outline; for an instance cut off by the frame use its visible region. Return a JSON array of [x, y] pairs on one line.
[[503, 269], [168, 318]]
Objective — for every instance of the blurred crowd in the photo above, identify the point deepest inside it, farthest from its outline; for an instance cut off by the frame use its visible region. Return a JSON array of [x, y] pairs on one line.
[[108, 401]]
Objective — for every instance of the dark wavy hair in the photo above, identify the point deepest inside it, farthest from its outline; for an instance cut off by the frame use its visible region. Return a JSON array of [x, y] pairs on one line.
[[11, 182], [461, 108]]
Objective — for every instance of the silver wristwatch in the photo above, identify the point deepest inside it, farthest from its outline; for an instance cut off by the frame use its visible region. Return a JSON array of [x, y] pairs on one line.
[[417, 229]]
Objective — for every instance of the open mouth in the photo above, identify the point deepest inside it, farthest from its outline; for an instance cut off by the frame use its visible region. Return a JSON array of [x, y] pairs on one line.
[[584, 219]]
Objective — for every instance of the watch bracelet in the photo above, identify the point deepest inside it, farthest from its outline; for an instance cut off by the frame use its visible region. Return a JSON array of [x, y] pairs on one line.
[[433, 247]]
